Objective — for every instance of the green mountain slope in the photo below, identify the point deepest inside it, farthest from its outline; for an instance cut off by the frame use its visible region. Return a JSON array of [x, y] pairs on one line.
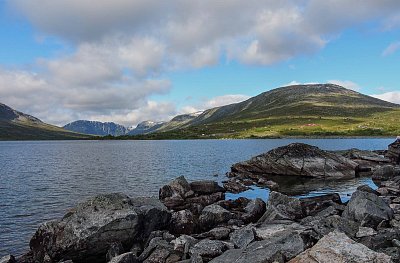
[[299, 110], [15, 125]]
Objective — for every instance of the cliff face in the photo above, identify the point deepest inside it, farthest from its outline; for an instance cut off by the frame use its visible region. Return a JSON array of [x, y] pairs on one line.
[[96, 128]]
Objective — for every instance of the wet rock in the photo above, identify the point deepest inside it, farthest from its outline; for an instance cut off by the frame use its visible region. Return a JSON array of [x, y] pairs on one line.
[[337, 247], [281, 207], [219, 233], [254, 210], [86, 232], [235, 186], [365, 232], [313, 205], [125, 258], [213, 215], [183, 222], [209, 248], [298, 159], [368, 189], [115, 249], [243, 236], [367, 208], [385, 172], [205, 200], [206, 187], [8, 259], [268, 183], [177, 187], [279, 248]]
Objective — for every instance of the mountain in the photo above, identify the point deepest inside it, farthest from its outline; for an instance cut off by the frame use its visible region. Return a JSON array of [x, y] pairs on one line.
[[15, 125], [297, 110], [96, 128], [145, 127]]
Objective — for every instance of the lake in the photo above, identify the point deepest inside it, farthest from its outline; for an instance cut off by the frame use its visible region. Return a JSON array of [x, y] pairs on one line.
[[40, 180]]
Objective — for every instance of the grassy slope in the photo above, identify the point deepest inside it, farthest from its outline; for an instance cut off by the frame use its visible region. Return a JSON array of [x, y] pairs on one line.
[[324, 110]]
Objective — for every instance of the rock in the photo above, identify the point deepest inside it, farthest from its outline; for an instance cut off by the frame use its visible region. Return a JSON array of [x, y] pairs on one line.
[[268, 183], [270, 230], [243, 236], [281, 207], [115, 249], [158, 255], [183, 222], [156, 246], [8, 259], [386, 172], [206, 187], [235, 186], [254, 210], [177, 187], [370, 156], [382, 239], [393, 152], [324, 225], [280, 247], [367, 208], [298, 159], [313, 205], [86, 232], [213, 215], [125, 258], [209, 248], [219, 233], [368, 189], [205, 200], [337, 247], [365, 232], [184, 243], [136, 249]]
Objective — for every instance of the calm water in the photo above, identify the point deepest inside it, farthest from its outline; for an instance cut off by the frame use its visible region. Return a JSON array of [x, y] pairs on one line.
[[40, 180]]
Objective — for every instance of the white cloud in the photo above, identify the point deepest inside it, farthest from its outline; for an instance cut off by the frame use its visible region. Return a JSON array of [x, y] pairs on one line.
[[393, 96], [346, 84], [392, 48], [214, 102]]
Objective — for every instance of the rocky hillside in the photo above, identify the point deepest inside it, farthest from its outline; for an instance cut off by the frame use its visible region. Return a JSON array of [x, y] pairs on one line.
[[96, 128], [15, 125], [298, 110], [145, 127]]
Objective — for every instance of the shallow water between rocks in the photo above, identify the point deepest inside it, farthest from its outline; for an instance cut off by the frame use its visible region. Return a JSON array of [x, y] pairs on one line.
[[40, 180]]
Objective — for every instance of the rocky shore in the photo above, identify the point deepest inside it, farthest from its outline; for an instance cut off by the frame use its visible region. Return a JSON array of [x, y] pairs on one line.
[[192, 221]]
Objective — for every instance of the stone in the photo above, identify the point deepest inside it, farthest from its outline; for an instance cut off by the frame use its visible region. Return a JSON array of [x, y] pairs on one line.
[[280, 247], [183, 222], [207, 248], [393, 152], [87, 231], [235, 186], [254, 210], [385, 172], [182, 242], [367, 208], [136, 249], [313, 205], [158, 255], [159, 245], [382, 239], [270, 230], [298, 159], [8, 259], [213, 215], [324, 225], [177, 187], [339, 248], [243, 236], [281, 207], [115, 249], [206, 187], [125, 258], [219, 233], [365, 232]]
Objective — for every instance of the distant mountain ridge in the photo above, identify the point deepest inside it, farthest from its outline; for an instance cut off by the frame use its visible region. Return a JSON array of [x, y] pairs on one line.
[[96, 128], [16, 125]]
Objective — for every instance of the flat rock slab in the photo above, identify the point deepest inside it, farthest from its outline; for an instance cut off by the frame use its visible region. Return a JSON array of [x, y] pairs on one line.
[[298, 159], [336, 247]]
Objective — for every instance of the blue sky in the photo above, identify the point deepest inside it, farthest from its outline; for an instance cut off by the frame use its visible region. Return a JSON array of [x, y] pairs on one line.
[[130, 61]]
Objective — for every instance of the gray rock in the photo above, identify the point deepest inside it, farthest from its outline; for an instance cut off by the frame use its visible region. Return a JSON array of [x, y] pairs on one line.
[[298, 159], [243, 236], [270, 230], [87, 231], [115, 249], [385, 172], [206, 187], [365, 232], [8, 259], [337, 247], [157, 243], [125, 258], [313, 205], [158, 255], [184, 242], [281, 207], [393, 152], [277, 248], [367, 208], [219, 233], [213, 215], [177, 187], [136, 249], [324, 225], [254, 210], [383, 239], [207, 248], [183, 222]]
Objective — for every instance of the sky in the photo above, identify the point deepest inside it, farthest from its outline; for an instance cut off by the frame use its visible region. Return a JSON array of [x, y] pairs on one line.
[[129, 61]]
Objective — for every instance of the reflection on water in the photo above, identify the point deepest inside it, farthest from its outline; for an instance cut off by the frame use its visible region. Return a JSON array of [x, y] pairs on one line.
[[39, 181]]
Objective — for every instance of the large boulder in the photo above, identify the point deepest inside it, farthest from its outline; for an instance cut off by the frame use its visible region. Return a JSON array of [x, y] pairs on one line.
[[206, 187], [214, 215], [298, 159], [280, 247], [393, 152], [86, 232], [368, 209], [385, 172], [337, 247], [183, 222], [315, 204], [281, 207]]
